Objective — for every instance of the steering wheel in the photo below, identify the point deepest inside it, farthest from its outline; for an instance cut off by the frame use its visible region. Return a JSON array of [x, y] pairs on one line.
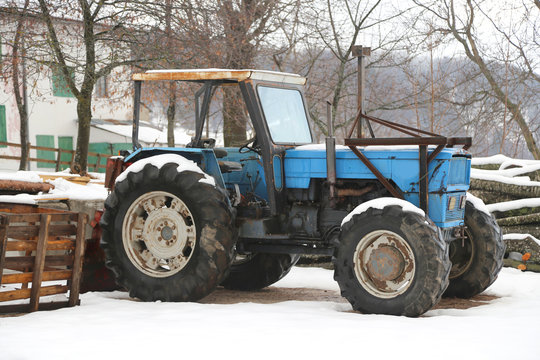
[[247, 148]]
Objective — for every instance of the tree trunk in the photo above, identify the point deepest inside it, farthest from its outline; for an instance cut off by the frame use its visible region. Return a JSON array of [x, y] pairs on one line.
[[16, 187], [501, 188], [519, 220], [21, 101], [171, 113], [84, 113], [234, 117]]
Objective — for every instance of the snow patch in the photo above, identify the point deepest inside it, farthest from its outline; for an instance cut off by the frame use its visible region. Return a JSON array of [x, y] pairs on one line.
[[494, 175], [364, 148], [160, 160], [382, 203], [514, 204], [495, 159], [319, 147], [208, 328], [64, 188], [520, 237], [478, 203], [147, 134], [29, 176], [18, 199]]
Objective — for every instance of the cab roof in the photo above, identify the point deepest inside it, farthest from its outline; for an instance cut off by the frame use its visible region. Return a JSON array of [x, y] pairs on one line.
[[229, 75]]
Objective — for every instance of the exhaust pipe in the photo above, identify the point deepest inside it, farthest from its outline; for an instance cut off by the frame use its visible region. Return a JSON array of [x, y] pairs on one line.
[[331, 156]]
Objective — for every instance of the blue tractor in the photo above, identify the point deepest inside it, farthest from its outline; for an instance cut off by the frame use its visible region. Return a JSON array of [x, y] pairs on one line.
[[393, 213]]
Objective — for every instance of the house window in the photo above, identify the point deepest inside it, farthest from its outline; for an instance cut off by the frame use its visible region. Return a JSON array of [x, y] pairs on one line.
[[3, 125], [101, 87], [60, 86], [45, 141]]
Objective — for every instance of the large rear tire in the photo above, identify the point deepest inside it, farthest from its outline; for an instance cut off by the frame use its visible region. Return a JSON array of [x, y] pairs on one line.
[[257, 271], [391, 261], [478, 258], [166, 235]]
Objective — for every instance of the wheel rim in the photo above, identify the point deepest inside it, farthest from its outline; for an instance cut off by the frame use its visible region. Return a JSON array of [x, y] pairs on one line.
[[461, 255], [384, 264], [159, 234]]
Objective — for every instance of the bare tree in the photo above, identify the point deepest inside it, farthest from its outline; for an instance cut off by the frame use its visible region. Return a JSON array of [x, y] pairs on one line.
[[106, 44], [460, 21], [17, 75]]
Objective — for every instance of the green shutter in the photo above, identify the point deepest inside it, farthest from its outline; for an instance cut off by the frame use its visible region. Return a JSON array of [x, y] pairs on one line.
[[59, 83], [101, 148], [3, 125], [121, 146], [65, 143], [45, 141]]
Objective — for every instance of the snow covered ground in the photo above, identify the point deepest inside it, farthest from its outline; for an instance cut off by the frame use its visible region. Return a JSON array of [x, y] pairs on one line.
[[112, 326]]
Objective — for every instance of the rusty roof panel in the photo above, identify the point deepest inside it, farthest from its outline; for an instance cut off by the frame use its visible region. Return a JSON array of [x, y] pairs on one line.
[[219, 74]]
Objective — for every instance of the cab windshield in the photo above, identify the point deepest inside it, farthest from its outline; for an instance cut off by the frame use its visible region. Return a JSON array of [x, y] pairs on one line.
[[285, 115]]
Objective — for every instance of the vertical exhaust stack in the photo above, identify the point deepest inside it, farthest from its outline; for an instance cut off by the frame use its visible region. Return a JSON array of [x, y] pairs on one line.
[[361, 52], [331, 156]]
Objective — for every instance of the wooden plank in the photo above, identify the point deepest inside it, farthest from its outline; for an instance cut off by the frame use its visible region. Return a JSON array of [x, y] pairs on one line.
[[21, 232], [39, 261], [26, 293], [17, 208], [26, 277], [53, 243], [78, 261], [72, 178], [18, 308], [55, 216], [4, 223], [19, 263], [10, 209], [58, 158]]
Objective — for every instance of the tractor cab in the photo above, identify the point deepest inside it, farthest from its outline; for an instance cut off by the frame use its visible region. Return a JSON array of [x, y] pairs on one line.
[[276, 106]]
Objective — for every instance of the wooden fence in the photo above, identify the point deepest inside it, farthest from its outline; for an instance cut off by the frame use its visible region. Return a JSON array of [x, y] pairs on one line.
[[59, 152]]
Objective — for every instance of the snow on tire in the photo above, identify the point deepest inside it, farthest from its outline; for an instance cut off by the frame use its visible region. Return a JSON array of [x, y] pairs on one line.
[[167, 235]]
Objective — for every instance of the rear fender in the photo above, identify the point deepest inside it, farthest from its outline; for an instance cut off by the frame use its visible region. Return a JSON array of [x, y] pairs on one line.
[[204, 158]]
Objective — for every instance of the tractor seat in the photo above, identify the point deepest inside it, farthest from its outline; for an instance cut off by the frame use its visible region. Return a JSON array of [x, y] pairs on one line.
[[229, 166]]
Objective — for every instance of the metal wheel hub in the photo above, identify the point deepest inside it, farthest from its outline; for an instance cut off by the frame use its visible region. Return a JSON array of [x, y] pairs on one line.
[[384, 264], [159, 234], [165, 233]]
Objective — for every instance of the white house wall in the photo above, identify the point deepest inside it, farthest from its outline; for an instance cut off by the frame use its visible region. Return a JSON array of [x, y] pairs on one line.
[[57, 116]]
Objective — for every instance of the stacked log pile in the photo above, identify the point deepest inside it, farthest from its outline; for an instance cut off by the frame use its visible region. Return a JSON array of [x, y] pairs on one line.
[[511, 190]]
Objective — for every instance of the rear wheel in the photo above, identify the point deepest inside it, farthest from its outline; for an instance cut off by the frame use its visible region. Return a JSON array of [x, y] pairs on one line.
[[166, 235], [476, 259], [390, 261], [257, 271]]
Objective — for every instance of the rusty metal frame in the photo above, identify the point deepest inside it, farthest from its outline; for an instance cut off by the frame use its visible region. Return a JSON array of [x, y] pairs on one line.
[[418, 137]]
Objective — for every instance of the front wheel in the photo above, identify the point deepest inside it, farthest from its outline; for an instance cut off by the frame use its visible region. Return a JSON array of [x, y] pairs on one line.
[[391, 261], [476, 259]]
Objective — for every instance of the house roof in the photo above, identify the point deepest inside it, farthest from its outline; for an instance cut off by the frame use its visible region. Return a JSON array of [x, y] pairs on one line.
[[148, 133], [220, 74]]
